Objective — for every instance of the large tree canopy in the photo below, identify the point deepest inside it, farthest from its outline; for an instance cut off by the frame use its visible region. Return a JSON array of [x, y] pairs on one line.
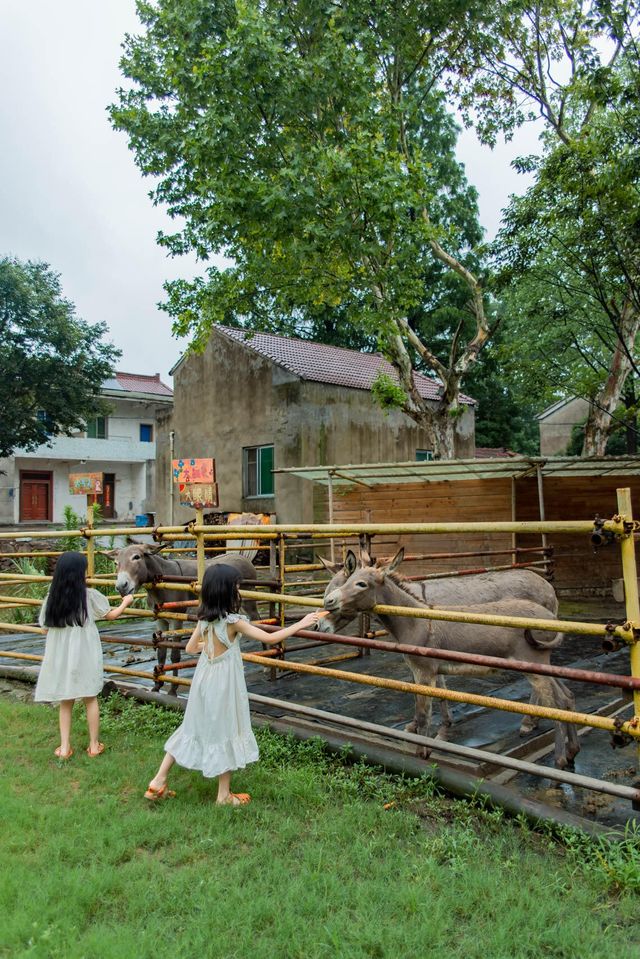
[[52, 363], [308, 143], [569, 254]]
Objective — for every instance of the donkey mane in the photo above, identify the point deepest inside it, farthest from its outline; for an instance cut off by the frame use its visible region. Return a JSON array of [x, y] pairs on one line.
[[412, 589]]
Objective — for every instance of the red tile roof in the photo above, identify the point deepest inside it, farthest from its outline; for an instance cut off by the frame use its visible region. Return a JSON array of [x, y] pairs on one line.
[[328, 364], [141, 383]]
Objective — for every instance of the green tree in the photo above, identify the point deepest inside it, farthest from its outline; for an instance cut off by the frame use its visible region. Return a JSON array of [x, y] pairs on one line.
[[307, 142], [52, 363], [569, 252]]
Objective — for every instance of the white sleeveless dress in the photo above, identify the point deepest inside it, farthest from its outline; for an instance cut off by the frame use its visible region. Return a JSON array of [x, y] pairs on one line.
[[72, 664], [216, 735]]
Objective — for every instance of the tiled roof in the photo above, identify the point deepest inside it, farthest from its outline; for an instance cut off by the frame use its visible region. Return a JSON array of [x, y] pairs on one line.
[[139, 383], [328, 364]]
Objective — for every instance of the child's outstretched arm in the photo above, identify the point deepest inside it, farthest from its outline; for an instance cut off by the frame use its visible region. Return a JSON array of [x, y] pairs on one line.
[[195, 643], [119, 610], [254, 632]]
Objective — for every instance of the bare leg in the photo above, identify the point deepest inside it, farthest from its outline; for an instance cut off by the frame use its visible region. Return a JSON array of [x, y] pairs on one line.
[[64, 715], [160, 778], [93, 721], [225, 797], [224, 787]]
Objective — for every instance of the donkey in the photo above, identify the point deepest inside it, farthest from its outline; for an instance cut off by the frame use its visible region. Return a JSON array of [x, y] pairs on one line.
[[446, 593], [141, 563], [372, 584]]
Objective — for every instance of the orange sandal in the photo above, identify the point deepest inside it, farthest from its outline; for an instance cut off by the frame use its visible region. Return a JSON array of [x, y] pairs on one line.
[[98, 752], [243, 799], [154, 794], [60, 755]]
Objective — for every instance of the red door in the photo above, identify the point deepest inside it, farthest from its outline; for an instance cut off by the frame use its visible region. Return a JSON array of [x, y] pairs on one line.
[[106, 498], [36, 501]]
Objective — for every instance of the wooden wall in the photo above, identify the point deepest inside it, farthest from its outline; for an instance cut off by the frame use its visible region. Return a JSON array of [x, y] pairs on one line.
[[577, 568]]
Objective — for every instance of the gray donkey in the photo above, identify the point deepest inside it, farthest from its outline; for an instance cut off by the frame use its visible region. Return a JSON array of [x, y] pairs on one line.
[[447, 593], [141, 563], [372, 584]]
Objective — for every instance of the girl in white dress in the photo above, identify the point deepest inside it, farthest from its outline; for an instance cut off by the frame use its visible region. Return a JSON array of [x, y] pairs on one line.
[[216, 736], [72, 664]]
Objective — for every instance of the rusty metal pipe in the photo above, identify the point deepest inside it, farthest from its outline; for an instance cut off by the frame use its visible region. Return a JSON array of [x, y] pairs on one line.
[[477, 659]]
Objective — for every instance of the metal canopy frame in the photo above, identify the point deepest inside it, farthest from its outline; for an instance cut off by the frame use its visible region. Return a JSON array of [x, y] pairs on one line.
[[437, 471]]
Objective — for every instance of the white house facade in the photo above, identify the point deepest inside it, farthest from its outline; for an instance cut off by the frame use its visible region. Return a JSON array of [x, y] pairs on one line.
[[121, 446]]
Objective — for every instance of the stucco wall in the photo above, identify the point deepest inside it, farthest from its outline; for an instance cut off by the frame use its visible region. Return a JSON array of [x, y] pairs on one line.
[[228, 397], [556, 427]]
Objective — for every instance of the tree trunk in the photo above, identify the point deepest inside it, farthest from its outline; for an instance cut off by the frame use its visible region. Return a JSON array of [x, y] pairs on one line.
[[605, 403]]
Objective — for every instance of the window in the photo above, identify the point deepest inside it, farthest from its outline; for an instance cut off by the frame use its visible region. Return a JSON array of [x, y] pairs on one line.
[[46, 420], [97, 428], [422, 456], [257, 466], [146, 433]]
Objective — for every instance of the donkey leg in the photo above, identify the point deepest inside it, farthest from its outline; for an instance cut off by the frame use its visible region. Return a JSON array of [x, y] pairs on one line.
[[549, 694], [161, 654], [175, 658], [445, 712], [567, 700], [529, 723]]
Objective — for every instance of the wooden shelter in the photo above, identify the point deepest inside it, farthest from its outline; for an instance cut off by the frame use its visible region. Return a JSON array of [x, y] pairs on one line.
[[472, 490]]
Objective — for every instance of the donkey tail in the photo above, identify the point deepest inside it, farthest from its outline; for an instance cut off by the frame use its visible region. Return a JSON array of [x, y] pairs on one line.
[[538, 639]]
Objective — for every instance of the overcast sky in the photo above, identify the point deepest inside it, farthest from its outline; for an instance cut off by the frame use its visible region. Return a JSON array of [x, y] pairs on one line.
[[70, 193]]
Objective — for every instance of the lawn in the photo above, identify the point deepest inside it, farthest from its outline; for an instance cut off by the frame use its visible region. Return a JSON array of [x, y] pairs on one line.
[[315, 867]]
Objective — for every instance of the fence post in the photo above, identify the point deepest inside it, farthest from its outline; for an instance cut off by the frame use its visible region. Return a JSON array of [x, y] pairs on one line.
[[91, 543], [630, 577], [200, 554]]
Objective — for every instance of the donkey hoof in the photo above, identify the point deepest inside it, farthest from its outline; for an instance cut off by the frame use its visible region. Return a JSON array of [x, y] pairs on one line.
[[173, 690], [528, 725], [423, 752], [156, 687], [411, 727]]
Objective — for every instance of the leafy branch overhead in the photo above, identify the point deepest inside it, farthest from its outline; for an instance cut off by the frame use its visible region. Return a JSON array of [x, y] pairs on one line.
[[309, 144], [53, 363]]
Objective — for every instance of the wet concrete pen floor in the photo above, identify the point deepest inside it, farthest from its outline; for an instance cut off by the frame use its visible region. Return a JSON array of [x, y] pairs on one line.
[[472, 726]]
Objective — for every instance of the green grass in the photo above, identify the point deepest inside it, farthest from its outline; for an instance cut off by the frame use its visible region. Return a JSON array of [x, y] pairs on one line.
[[314, 868]]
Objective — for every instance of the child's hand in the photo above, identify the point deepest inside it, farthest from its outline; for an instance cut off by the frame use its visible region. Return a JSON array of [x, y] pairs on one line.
[[312, 618], [127, 600]]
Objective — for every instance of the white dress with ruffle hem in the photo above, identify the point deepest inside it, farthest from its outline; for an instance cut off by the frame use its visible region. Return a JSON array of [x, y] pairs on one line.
[[72, 663], [216, 735]]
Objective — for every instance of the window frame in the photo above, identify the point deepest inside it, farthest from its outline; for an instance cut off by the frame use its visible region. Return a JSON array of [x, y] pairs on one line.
[[95, 420], [254, 465], [426, 457], [148, 426]]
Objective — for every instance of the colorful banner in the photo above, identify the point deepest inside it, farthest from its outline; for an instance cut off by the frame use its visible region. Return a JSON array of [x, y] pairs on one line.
[[86, 484], [194, 471]]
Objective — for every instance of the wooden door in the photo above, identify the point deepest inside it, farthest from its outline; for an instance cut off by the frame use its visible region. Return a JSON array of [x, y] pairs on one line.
[[107, 497], [36, 501]]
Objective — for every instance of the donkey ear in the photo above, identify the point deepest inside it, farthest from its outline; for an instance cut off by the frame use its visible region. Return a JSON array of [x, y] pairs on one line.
[[152, 550], [366, 558], [130, 541], [350, 562], [395, 562], [111, 553], [332, 567]]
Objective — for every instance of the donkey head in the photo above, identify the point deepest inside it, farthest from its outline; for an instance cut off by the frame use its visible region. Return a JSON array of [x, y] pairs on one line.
[[135, 566], [357, 591]]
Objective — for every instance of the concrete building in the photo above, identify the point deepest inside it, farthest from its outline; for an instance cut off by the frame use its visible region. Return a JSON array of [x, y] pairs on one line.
[[120, 445], [255, 402], [556, 424]]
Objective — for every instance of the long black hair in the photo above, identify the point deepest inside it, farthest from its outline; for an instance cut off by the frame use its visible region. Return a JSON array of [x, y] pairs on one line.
[[219, 595], [67, 599]]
